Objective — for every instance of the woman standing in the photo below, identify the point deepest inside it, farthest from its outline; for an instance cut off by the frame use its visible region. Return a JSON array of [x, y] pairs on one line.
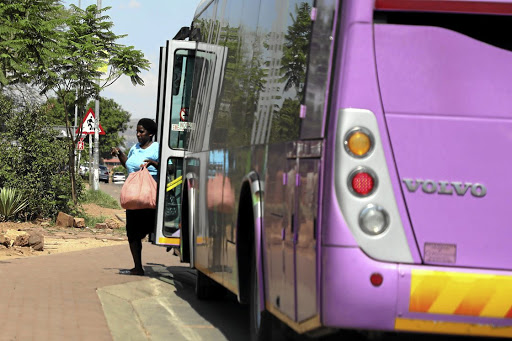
[[140, 223]]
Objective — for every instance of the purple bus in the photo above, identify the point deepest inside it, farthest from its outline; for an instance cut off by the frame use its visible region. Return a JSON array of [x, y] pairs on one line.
[[341, 164]]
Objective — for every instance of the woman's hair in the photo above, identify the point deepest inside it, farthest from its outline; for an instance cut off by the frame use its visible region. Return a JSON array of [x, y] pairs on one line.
[[148, 124]]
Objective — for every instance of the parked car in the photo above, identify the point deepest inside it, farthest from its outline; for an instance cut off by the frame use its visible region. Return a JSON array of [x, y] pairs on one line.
[[118, 177], [104, 173], [82, 171]]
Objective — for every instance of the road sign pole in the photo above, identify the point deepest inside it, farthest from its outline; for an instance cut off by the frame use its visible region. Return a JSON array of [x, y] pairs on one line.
[[96, 162], [96, 180], [90, 161]]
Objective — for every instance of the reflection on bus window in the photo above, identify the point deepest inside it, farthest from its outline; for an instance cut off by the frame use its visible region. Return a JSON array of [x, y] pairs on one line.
[[180, 102]]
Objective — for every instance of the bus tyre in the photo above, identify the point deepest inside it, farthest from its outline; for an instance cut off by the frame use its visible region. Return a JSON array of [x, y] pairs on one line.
[[260, 323]]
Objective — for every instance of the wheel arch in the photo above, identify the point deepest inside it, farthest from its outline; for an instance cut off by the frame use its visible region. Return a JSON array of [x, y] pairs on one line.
[[249, 235]]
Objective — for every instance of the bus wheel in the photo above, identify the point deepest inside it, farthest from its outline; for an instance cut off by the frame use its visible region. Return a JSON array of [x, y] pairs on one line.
[[260, 323]]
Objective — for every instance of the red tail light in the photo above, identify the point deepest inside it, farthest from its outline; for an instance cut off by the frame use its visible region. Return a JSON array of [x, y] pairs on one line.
[[376, 279], [460, 6], [362, 182]]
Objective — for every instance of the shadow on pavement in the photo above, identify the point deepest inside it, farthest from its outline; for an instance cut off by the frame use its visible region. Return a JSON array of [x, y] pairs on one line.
[[225, 314]]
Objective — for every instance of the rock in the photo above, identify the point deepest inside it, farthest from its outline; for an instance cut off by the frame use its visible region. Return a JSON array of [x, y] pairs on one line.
[[13, 235], [65, 220], [4, 240], [79, 223], [113, 224], [101, 226], [22, 240], [36, 241]]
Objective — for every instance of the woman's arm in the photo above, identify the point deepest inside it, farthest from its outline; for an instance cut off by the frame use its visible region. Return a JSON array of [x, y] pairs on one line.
[[120, 154]]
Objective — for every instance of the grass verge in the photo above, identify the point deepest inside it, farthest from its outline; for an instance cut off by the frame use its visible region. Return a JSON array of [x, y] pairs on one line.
[[101, 199]]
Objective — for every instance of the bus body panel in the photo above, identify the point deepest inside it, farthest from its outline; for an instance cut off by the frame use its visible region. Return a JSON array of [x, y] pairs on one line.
[[448, 106], [466, 230], [359, 304], [313, 271], [441, 72], [349, 300], [356, 86], [412, 297], [247, 100]]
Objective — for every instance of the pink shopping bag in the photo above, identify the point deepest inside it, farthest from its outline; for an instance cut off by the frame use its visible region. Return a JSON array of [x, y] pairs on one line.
[[139, 191]]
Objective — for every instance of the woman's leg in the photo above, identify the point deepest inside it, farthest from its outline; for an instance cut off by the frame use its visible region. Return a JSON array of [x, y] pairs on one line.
[[136, 250], [133, 219], [139, 223]]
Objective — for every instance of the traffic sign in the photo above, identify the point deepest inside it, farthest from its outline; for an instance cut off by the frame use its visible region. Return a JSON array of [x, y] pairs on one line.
[[183, 114], [80, 144], [87, 125]]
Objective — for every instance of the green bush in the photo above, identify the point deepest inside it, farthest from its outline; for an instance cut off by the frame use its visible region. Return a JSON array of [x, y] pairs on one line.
[[11, 203], [34, 162]]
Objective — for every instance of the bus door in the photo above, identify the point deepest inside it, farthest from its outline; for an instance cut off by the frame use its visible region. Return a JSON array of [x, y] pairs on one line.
[[176, 69], [207, 250], [298, 290]]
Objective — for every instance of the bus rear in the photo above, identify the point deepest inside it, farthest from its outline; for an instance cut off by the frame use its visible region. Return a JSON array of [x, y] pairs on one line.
[[415, 232]]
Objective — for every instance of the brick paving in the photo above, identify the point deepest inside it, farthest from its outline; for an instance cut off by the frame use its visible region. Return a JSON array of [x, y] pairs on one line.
[[53, 297]]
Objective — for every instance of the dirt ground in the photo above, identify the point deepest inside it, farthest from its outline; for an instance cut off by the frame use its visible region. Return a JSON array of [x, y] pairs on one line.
[[60, 239]]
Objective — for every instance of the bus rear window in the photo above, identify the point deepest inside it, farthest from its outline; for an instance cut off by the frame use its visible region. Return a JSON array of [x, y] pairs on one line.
[[486, 28]]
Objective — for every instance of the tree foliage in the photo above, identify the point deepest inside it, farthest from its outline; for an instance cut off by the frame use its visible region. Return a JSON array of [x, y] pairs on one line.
[[63, 51], [34, 162], [286, 120], [296, 48], [30, 32]]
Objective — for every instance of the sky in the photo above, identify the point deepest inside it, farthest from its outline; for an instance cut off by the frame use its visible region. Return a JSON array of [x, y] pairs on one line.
[[148, 24]]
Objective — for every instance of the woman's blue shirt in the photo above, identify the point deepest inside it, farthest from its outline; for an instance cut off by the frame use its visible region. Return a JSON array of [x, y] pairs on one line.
[[137, 155]]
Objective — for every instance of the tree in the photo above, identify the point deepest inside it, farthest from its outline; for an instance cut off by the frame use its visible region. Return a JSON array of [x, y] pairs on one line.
[[286, 121], [295, 50], [29, 35], [84, 46], [33, 161]]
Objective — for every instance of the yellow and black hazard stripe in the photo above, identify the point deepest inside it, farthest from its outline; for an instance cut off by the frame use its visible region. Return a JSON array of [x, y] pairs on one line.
[[174, 183], [458, 293], [462, 294]]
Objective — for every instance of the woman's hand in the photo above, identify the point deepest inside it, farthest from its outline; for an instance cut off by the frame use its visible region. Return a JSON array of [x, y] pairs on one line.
[[115, 151], [149, 162]]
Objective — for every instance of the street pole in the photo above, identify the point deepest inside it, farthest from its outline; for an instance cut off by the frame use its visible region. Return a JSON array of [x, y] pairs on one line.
[[90, 160], [77, 158], [96, 180]]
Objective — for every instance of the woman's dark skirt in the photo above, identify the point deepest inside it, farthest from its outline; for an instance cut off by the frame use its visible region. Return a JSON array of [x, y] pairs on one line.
[[139, 223]]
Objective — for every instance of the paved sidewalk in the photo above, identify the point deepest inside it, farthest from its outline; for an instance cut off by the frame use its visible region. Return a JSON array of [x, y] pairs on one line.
[[54, 297]]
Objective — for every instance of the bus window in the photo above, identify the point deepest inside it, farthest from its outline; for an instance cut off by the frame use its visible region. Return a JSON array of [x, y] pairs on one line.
[[180, 101], [172, 201]]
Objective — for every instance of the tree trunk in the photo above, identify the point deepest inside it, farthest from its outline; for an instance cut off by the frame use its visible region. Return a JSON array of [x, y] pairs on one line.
[[71, 154]]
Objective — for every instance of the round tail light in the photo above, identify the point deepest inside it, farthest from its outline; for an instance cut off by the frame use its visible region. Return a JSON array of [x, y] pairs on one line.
[[362, 181], [373, 220], [359, 142]]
